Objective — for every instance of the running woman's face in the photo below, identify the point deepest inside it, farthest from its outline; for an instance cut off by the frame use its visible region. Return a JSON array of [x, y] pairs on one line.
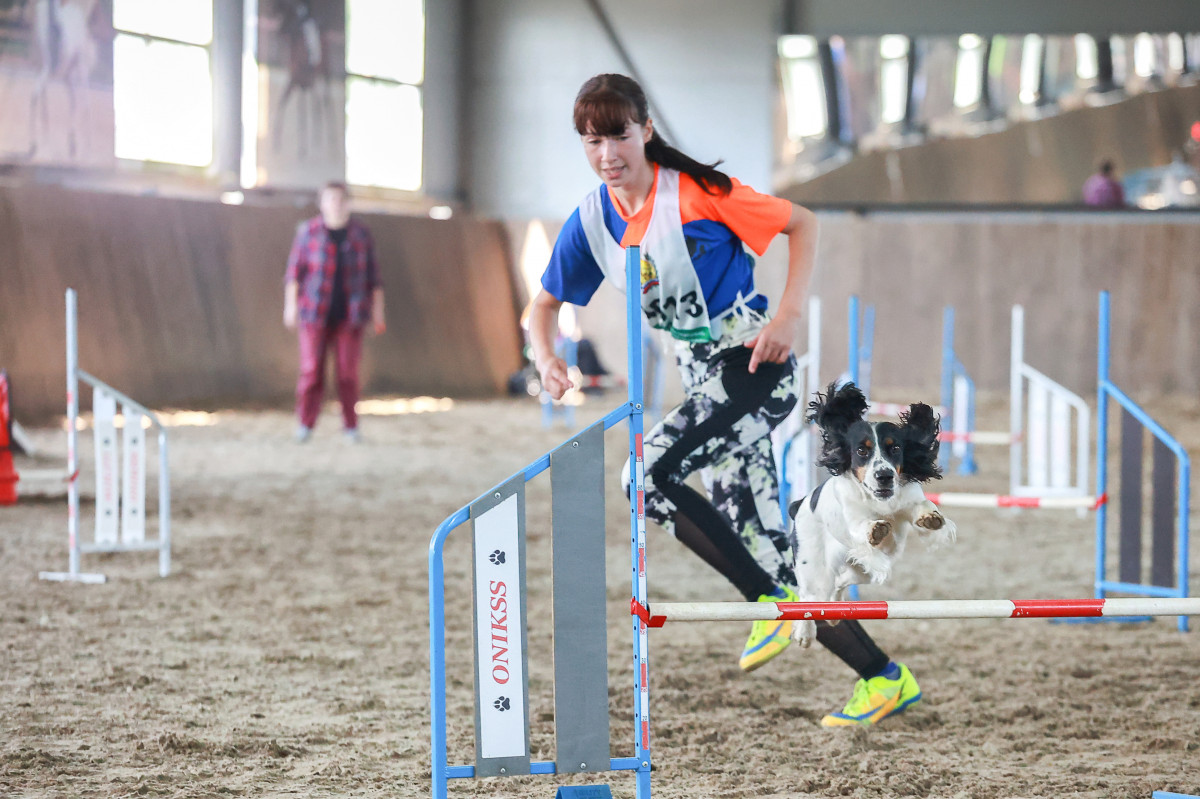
[[620, 159]]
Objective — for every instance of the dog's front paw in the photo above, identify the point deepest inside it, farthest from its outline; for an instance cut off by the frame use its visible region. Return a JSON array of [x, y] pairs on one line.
[[804, 633], [931, 521], [945, 531], [879, 530]]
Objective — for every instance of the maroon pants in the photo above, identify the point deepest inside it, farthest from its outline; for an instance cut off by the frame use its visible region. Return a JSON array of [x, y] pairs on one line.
[[345, 340]]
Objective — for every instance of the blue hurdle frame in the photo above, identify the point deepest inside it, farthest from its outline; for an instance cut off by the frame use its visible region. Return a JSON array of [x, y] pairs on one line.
[[860, 344], [632, 411], [1105, 389]]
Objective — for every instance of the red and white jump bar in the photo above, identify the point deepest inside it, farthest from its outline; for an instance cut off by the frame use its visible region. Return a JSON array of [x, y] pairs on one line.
[[965, 500], [980, 437], [662, 612]]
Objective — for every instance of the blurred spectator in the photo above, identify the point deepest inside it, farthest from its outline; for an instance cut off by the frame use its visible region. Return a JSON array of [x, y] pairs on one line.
[[1103, 190], [331, 293]]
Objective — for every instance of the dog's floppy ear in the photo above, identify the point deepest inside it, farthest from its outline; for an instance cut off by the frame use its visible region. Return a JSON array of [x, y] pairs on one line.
[[838, 408], [920, 430], [834, 412]]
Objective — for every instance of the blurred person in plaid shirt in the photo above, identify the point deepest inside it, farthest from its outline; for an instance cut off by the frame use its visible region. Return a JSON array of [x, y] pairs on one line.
[[331, 295]]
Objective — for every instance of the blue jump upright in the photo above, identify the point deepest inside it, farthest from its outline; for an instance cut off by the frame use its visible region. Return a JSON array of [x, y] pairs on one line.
[[580, 655], [1171, 481]]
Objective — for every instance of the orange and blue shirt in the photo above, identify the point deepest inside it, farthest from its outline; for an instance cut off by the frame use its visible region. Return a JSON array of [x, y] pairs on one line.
[[715, 227]]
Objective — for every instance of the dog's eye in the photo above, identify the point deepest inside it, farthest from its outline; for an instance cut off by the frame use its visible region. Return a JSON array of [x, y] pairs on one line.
[[893, 448], [863, 451]]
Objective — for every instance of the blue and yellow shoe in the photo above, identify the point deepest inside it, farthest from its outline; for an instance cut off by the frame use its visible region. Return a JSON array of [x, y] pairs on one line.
[[768, 638], [877, 698]]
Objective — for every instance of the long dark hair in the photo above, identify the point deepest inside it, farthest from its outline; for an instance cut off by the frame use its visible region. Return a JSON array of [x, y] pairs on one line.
[[607, 103]]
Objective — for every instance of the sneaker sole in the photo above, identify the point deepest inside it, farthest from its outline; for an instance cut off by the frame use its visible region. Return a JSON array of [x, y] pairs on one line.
[[874, 717], [770, 646]]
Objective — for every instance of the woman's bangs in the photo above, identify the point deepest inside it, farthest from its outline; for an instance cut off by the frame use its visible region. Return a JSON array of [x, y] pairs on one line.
[[603, 113]]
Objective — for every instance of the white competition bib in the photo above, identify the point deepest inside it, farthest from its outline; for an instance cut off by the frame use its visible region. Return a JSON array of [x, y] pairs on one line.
[[672, 299]]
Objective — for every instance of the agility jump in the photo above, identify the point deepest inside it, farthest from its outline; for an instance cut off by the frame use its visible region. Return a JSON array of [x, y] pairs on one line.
[[120, 495], [581, 718]]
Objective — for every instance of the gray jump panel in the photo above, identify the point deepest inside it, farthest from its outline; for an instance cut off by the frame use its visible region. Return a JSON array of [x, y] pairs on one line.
[[1162, 517], [1130, 553], [580, 639]]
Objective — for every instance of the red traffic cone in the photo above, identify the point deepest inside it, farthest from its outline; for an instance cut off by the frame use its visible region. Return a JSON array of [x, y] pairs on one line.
[[8, 474], [8, 479]]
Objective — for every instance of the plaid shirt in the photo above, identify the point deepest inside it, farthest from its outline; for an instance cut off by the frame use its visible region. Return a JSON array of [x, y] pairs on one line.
[[313, 264]]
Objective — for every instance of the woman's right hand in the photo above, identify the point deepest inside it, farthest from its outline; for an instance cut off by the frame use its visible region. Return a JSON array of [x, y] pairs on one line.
[[553, 372]]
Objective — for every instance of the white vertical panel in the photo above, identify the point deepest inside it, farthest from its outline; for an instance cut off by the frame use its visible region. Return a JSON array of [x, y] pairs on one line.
[[500, 665], [962, 414], [133, 479], [1060, 442], [104, 431], [1038, 436]]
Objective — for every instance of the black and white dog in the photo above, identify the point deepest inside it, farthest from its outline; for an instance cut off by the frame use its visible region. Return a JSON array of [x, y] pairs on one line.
[[853, 527]]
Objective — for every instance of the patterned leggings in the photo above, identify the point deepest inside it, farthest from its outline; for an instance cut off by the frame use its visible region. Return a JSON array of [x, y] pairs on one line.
[[722, 429]]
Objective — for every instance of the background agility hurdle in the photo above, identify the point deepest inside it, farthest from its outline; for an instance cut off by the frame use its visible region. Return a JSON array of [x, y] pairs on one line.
[[120, 495], [580, 655], [1170, 492]]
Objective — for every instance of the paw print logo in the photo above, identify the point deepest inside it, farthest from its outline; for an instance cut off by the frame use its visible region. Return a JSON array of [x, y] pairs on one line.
[[496, 557], [502, 704]]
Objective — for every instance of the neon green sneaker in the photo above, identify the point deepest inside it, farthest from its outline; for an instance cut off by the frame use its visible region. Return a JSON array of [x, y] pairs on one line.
[[768, 638], [877, 698]]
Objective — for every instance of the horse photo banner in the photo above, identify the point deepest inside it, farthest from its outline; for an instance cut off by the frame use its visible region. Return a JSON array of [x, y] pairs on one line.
[[56, 82], [300, 52]]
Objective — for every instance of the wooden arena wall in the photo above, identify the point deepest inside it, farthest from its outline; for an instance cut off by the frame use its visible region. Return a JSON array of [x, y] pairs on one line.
[[910, 265], [180, 301]]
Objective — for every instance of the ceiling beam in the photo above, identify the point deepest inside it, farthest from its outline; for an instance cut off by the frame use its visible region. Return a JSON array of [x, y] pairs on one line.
[[989, 17]]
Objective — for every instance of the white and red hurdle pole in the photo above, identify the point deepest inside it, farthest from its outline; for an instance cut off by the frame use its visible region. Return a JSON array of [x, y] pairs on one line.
[[660, 613]]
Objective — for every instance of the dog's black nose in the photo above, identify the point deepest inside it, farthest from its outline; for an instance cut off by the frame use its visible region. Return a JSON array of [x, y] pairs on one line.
[[884, 476]]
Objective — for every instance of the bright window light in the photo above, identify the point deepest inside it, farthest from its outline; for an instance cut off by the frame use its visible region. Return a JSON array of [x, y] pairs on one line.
[[386, 39], [797, 46], [893, 46], [383, 134], [1143, 55], [1175, 59], [162, 99], [968, 71], [188, 21], [804, 96], [1032, 51], [893, 89], [1087, 57]]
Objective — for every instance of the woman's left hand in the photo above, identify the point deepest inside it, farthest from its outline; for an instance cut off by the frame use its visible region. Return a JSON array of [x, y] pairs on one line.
[[773, 344]]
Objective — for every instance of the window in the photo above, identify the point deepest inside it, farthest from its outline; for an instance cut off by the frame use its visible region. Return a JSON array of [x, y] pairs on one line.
[[893, 78], [162, 81], [968, 71], [803, 91], [1033, 52], [1087, 57], [385, 68], [1145, 55]]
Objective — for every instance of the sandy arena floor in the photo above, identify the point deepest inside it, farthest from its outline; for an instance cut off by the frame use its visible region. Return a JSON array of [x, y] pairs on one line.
[[287, 655]]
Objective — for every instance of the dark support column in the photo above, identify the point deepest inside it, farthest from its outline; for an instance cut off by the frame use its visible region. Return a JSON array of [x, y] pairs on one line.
[[1130, 560], [1162, 517], [910, 104], [1104, 61], [830, 79]]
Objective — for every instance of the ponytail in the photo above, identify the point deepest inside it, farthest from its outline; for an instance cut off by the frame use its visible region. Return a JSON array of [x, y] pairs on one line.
[[711, 179]]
